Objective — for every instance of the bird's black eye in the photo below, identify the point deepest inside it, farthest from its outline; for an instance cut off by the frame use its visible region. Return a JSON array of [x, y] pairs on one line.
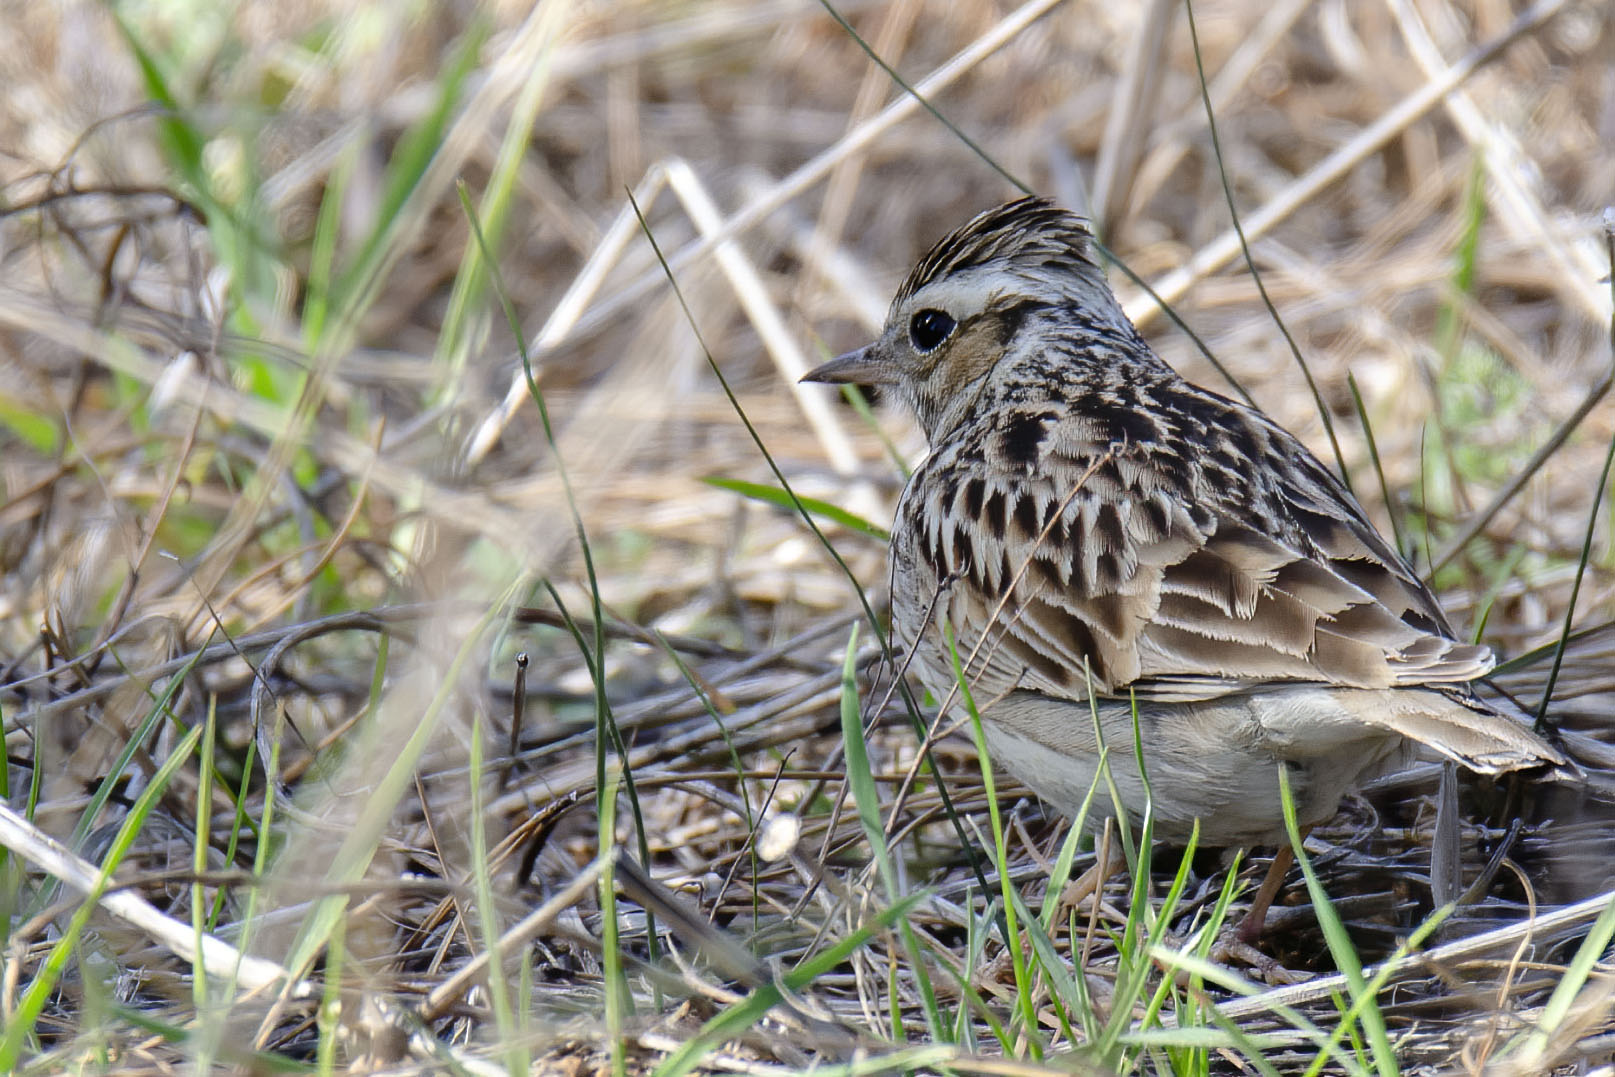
[[929, 328]]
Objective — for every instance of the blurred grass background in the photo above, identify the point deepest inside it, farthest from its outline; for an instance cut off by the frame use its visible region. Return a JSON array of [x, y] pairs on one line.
[[272, 483]]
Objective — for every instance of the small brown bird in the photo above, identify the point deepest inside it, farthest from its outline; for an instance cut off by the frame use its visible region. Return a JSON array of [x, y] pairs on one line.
[[1097, 533]]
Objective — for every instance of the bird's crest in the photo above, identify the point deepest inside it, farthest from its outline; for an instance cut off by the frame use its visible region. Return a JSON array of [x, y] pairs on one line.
[[1031, 238]]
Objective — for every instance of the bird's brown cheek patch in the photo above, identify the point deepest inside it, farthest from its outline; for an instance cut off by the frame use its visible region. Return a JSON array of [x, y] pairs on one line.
[[973, 352]]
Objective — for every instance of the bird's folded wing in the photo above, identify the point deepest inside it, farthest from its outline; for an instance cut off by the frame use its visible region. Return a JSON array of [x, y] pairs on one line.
[[1095, 567]]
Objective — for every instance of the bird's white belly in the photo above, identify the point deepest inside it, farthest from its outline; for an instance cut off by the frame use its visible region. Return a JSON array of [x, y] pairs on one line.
[[1216, 761]]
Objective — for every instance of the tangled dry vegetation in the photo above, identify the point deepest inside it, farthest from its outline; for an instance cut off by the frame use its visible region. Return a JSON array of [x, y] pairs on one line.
[[300, 654]]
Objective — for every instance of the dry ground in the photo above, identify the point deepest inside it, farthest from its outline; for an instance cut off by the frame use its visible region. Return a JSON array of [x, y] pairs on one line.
[[287, 550]]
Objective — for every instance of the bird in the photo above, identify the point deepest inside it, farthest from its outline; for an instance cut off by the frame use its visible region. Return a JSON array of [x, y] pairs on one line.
[[1103, 543]]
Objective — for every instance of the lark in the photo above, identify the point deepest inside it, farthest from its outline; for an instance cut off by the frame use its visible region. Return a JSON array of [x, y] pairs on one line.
[[1097, 535]]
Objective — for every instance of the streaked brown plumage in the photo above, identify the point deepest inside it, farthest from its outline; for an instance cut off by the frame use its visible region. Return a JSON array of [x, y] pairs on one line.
[[1089, 521]]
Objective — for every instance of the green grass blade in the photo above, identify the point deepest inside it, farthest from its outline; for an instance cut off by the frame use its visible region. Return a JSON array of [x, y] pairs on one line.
[[20, 1023], [405, 169], [488, 909], [1209, 971], [1449, 321], [1339, 942], [1045, 959], [199, 849], [323, 250], [778, 498], [1592, 523], [494, 211], [1534, 1043], [1387, 968], [747, 1012], [866, 797], [855, 398], [328, 1018], [1379, 469], [1012, 935], [140, 736], [613, 980]]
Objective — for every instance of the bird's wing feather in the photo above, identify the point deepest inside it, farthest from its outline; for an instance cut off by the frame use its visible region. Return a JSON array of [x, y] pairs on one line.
[[1060, 555]]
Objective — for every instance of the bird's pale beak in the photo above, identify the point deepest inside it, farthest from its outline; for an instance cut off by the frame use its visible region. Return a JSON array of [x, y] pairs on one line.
[[861, 367]]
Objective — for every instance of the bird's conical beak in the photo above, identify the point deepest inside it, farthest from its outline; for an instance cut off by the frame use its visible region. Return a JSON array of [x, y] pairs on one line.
[[861, 367]]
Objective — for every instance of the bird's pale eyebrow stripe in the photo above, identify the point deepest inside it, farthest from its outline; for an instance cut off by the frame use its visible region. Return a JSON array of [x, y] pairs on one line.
[[1011, 314], [1029, 228]]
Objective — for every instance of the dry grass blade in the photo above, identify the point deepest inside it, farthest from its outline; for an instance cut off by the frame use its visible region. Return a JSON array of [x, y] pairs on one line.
[[1518, 200], [1539, 930], [804, 177], [219, 959], [1131, 111], [1218, 253]]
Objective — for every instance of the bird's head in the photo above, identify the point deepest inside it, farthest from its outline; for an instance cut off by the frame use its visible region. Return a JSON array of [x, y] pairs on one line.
[[984, 293]]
